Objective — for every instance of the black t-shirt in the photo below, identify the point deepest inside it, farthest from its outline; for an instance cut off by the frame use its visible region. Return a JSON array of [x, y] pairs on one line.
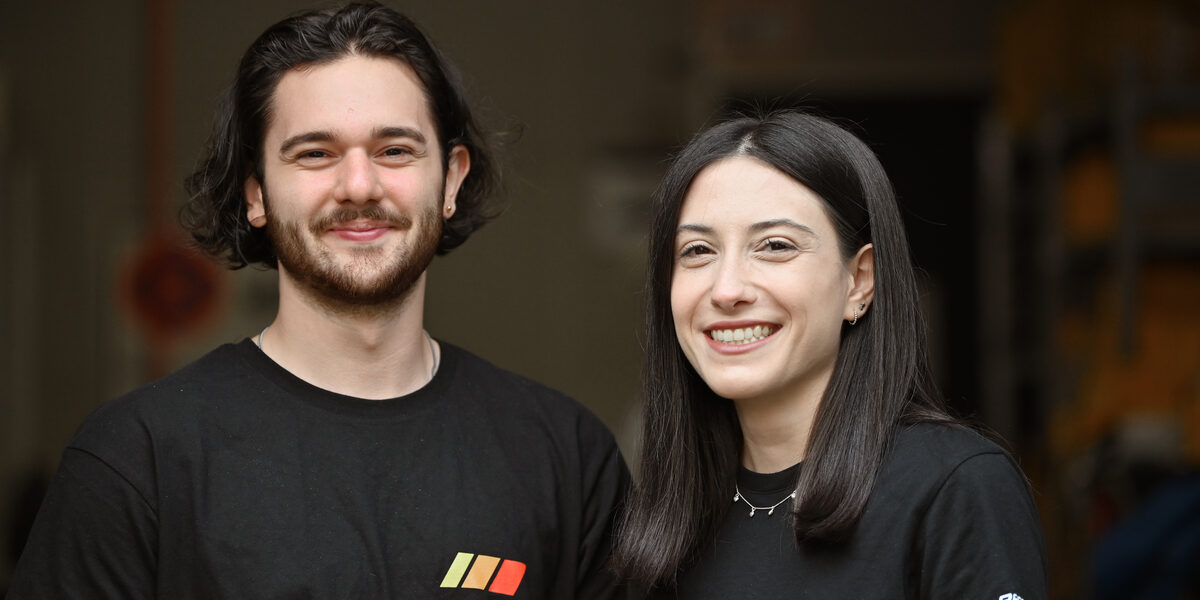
[[232, 478], [950, 517]]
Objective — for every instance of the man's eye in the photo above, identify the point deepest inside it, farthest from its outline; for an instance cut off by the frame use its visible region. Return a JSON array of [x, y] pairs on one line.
[[397, 151], [314, 154]]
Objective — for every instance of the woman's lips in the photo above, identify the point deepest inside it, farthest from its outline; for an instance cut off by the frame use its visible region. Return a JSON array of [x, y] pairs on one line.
[[740, 338]]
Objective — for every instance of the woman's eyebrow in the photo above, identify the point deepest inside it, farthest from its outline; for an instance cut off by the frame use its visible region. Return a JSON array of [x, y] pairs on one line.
[[695, 228], [761, 225]]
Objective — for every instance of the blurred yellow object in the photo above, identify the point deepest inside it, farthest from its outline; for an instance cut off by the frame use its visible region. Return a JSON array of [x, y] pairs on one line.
[[1090, 199], [1063, 55], [1172, 136], [1161, 377]]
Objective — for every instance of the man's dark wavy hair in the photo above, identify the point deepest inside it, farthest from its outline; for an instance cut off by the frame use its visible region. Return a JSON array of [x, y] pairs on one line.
[[215, 213]]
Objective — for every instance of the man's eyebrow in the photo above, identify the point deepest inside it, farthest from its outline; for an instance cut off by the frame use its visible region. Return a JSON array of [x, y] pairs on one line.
[[761, 225], [304, 138], [327, 136], [396, 132]]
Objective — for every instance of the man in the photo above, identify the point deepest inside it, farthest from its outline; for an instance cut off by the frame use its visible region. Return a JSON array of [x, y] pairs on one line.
[[342, 452]]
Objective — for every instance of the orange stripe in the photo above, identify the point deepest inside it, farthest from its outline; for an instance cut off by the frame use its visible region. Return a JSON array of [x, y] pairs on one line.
[[481, 572], [509, 578]]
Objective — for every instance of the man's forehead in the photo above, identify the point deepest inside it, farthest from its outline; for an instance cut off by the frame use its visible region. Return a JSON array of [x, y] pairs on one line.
[[351, 92]]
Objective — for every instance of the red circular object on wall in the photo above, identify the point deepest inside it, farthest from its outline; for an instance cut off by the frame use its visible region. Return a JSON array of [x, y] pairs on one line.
[[170, 288]]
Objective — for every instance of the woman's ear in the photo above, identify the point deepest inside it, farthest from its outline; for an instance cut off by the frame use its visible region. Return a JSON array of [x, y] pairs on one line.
[[862, 283]]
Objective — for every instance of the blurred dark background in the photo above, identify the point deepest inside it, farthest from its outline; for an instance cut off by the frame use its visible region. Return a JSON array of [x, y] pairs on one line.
[[1046, 154]]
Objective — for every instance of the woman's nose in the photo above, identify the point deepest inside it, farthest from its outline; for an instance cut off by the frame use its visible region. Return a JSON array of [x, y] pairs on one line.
[[732, 286]]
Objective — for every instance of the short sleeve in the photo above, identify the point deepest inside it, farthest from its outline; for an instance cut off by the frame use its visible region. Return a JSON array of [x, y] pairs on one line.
[[605, 482], [94, 537], [981, 536]]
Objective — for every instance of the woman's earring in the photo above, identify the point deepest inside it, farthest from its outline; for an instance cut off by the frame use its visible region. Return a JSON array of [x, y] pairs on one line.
[[861, 306]]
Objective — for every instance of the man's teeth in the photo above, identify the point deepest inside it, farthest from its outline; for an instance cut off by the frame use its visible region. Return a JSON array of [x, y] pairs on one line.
[[745, 335]]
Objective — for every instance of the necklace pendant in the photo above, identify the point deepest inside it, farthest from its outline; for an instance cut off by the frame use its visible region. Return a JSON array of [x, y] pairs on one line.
[[752, 512], [737, 497], [771, 512]]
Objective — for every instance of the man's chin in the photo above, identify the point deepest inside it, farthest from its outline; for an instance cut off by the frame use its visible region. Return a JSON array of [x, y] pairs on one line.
[[354, 279], [372, 277]]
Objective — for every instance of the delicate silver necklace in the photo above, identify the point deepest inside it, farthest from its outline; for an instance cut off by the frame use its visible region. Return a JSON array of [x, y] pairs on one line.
[[770, 509], [437, 360]]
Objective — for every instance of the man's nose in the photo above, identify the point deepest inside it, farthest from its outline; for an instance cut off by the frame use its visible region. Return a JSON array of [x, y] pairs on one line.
[[358, 180]]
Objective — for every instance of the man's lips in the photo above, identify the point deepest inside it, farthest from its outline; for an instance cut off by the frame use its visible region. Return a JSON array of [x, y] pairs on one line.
[[360, 231]]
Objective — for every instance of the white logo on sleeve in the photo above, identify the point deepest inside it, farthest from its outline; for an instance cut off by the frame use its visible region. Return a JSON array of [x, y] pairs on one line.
[[1011, 597]]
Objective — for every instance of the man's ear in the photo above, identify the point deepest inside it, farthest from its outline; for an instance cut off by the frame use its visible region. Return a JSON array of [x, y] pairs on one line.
[[862, 283], [457, 167], [256, 210]]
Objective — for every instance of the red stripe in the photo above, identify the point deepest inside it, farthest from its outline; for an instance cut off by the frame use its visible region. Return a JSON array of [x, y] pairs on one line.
[[508, 578]]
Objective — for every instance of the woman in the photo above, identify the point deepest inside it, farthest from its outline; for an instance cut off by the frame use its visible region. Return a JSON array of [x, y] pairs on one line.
[[794, 445]]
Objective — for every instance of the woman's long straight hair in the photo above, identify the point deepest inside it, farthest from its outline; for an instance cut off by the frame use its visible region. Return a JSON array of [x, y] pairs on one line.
[[691, 440]]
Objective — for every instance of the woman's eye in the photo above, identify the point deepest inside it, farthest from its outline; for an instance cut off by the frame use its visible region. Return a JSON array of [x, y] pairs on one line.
[[694, 250], [777, 245]]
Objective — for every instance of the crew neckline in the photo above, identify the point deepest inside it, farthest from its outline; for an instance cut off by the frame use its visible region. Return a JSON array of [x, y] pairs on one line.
[[419, 400], [768, 483]]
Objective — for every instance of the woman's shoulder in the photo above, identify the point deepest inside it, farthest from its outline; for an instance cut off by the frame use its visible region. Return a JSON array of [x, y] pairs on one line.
[[927, 454], [970, 513], [942, 442]]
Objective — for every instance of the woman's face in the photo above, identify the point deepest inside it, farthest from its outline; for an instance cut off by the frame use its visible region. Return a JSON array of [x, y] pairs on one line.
[[759, 288]]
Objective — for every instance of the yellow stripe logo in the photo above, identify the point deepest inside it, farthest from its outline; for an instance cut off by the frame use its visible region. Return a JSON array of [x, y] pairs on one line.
[[483, 572]]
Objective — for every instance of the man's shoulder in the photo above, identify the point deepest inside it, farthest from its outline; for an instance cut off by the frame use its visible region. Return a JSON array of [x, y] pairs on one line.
[[481, 374], [517, 394], [167, 399], [221, 367]]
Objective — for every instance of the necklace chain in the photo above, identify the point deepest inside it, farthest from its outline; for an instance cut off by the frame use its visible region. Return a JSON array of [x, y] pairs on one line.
[[437, 360], [770, 509]]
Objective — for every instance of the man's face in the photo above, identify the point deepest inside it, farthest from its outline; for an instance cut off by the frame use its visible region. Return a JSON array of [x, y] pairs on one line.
[[353, 186]]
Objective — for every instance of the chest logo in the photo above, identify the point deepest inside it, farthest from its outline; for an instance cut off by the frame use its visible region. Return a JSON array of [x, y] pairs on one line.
[[477, 571]]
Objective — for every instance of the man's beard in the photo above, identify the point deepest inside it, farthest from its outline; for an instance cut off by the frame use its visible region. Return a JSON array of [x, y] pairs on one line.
[[372, 280]]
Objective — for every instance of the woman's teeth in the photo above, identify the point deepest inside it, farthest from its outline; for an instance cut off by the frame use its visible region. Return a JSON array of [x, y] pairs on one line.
[[745, 335]]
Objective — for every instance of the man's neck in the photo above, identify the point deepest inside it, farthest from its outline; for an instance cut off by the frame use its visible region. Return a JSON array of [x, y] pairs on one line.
[[376, 354]]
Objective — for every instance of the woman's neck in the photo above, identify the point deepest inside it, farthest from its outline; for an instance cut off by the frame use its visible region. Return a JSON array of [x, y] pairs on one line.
[[775, 430]]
